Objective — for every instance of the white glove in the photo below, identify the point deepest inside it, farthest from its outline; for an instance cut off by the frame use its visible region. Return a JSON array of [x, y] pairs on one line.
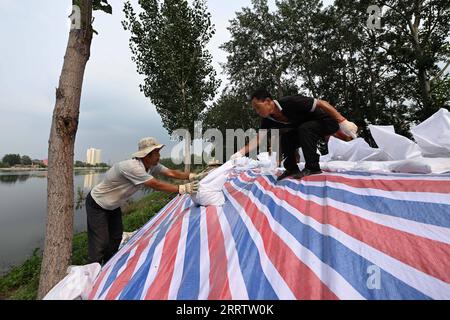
[[237, 155], [191, 188], [197, 176], [348, 128]]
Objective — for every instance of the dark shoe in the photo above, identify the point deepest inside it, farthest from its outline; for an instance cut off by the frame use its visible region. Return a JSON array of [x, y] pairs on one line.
[[288, 173], [305, 172]]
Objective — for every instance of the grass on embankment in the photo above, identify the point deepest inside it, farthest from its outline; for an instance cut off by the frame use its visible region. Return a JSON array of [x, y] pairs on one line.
[[21, 283]]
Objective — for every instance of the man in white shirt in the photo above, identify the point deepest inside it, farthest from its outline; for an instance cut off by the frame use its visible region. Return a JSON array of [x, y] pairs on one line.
[[104, 217]]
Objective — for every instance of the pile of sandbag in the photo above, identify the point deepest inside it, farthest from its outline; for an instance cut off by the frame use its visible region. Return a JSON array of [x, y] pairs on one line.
[[430, 153], [210, 187]]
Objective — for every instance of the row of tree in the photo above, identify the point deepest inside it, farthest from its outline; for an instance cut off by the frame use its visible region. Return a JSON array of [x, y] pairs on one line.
[[16, 159], [81, 164], [392, 75]]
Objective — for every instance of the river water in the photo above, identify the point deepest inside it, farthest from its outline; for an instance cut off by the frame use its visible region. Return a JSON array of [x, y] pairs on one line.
[[23, 211]]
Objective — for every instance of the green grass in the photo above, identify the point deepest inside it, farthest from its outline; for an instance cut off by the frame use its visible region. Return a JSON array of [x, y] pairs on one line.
[[21, 283]]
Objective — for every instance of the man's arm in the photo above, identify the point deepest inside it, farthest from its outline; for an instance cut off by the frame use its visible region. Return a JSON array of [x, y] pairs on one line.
[[253, 144], [329, 109], [176, 174], [161, 186], [348, 128]]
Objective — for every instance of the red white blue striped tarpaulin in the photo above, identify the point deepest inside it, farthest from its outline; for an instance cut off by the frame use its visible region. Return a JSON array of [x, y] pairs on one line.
[[351, 235]]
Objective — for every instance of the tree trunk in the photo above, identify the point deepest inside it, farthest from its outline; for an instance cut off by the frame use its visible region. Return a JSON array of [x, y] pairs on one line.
[[60, 189], [187, 153], [424, 81], [425, 89]]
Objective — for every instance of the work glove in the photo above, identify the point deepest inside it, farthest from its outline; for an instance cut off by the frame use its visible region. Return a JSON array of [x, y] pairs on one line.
[[348, 128], [197, 176], [237, 155], [191, 188]]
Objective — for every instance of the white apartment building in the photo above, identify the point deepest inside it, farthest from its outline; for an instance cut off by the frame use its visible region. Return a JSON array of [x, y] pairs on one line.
[[93, 156]]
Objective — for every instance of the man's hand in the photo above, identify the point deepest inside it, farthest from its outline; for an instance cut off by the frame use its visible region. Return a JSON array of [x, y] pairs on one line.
[[348, 128], [237, 155], [197, 176], [191, 188]]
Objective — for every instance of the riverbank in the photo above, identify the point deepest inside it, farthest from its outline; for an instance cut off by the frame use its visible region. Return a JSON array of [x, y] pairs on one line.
[[21, 282]]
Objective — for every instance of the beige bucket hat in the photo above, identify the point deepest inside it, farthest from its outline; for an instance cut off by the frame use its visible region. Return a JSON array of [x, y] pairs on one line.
[[146, 145]]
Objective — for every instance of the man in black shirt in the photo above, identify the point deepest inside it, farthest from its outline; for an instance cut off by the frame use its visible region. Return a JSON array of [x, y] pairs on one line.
[[305, 121]]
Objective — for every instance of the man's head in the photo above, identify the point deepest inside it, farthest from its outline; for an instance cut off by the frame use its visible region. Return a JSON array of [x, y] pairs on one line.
[[262, 102], [151, 159], [148, 151]]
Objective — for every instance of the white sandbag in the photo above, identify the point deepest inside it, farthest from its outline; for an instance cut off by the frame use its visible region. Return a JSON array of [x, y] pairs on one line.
[[245, 163], [395, 145], [354, 150], [373, 166], [366, 166], [422, 165], [77, 285], [267, 162], [335, 166], [210, 187], [433, 135], [410, 166]]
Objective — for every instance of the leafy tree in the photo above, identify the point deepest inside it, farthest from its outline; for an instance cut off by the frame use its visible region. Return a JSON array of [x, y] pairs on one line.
[[11, 159], [256, 56], [417, 40], [60, 192], [389, 76], [25, 160], [79, 164], [168, 42], [231, 111]]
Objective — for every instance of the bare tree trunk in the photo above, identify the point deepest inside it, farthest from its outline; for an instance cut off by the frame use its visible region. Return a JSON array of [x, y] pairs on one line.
[[60, 189]]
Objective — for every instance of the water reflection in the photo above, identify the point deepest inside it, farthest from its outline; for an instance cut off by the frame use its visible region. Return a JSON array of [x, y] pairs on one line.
[[90, 180], [23, 211], [11, 177]]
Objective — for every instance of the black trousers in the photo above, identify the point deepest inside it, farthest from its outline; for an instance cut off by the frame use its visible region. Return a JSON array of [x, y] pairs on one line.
[[305, 136], [104, 231]]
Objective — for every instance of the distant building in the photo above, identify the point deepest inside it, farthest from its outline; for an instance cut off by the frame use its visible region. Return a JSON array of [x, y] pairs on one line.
[[93, 156]]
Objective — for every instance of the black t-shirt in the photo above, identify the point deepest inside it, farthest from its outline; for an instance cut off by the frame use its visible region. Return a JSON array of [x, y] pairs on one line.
[[298, 109]]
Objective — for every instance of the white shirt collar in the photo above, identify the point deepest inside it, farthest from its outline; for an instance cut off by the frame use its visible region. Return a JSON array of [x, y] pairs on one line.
[[278, 105]]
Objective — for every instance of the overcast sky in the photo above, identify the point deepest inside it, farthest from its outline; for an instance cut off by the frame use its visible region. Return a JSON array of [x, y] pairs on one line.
[[114, 114]]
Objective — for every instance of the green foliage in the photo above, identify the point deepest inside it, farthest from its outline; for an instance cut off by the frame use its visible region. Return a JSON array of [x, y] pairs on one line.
[[145, 209], [25, 160], [21, 282], [102, 5], [11, 159], [81, 164], [231, 111], [256, 56], [441, 91], [79, 249], [168, 42]]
